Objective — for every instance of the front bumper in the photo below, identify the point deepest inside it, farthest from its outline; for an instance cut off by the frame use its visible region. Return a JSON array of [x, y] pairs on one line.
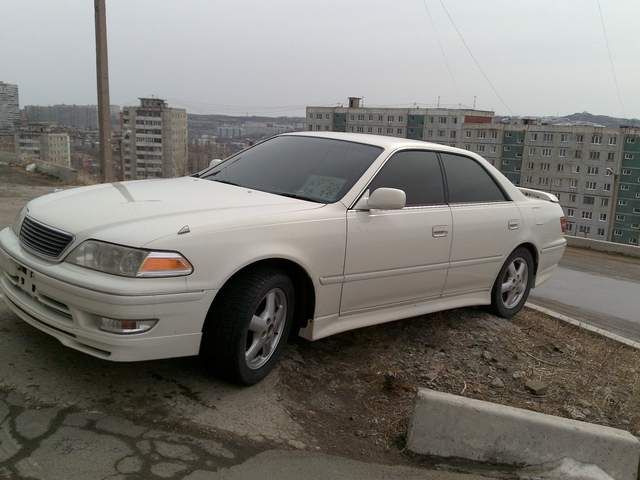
[[67, 302]]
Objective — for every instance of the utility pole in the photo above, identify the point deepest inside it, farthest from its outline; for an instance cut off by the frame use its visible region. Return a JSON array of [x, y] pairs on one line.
[[104, 107]]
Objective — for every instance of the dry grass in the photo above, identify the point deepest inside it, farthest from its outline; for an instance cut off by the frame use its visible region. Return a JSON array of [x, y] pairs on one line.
[[357, 388]]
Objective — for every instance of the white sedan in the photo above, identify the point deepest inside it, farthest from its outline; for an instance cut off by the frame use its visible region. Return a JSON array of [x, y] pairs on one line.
[[315, 233]]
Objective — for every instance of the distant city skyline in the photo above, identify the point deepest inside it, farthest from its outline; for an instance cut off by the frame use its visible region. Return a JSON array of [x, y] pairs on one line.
[[541, 58]]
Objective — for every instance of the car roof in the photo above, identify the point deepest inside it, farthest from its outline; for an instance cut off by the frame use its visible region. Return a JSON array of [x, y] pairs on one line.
[[388, 143]]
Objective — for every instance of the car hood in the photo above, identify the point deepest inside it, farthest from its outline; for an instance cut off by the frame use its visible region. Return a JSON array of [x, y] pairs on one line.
[[137, 212]]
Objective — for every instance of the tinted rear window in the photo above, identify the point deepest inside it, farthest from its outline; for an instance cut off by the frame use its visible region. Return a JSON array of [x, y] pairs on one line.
[[469, 182]]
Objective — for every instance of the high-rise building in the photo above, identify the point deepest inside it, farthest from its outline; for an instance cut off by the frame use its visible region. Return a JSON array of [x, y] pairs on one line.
[[9, 107], [593, 170], [154, 140], [36, 141]]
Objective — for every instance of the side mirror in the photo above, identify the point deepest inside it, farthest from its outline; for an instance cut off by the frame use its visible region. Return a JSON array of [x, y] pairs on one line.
[[214, 162], [385, 199]]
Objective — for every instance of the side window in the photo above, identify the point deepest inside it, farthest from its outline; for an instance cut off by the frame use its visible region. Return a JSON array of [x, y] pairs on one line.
[[468, 181], [417, 173]]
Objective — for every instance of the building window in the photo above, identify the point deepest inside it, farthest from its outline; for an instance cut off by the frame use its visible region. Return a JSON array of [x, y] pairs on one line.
[[494, 134], [443, 119], [596, 139], [628, 156], [564, 137], [620, 218], [604, 202], [572, 197], [578, 154], [546, 152], [592, 170], [452, 134], [430, 119], [467, 134], [318, 115], [587, 215], [594, 155], [588, 200], [561, 167], [622, 203], [585, 229], [400, 118], [547, 137], [380, 118], [508, 134], [399, 131], [532, 150], [626, 171], [360, 129], [389, 130], [563, 152], [606, 187], [631, 140], [429, 133], [571, 212], [624, 187], [591, 185], [370, 117], [611, 156], [633, 241], [601, 232], [481, 134], [494, 148], [481, 148], [613, 140], [369, 129], [390, 118], [352, 117], [579, 138], [617, 233], [361, 116], [603, 217], [379, 129], [545, 166], [442, 133]]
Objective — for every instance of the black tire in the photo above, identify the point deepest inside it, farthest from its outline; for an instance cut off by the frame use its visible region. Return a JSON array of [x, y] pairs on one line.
[[499, 304], [226, 331]]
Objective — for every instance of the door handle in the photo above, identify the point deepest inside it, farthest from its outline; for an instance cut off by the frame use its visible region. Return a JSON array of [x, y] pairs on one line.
[[440, 231], [514, 224]]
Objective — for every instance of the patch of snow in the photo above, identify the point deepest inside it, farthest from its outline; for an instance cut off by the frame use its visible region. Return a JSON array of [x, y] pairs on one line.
[[565, 469]]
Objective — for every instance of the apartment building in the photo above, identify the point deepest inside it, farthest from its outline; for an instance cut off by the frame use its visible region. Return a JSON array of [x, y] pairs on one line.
[[627, 194], [37, 142], [154, 140], [594, 171], [9, 107]]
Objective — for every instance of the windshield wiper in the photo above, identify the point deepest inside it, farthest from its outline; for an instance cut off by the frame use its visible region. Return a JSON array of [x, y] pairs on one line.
[[226, 181], [295, 195]]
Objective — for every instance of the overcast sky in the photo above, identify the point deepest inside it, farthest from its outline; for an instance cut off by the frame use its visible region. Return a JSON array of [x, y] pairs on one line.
[[544, 57]]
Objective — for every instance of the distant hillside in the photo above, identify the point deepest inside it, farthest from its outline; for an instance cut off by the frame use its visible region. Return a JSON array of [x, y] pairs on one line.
[[586, 117]]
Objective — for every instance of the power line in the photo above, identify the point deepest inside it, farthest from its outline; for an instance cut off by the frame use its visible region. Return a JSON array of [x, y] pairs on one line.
[[611, 64], [444, 56], [475, 60]]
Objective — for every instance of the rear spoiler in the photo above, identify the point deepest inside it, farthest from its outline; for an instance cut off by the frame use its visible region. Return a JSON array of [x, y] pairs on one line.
[[539, 195]]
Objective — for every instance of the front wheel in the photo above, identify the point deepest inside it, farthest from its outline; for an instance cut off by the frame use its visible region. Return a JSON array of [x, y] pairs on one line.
[[249, 325], [511, 289]]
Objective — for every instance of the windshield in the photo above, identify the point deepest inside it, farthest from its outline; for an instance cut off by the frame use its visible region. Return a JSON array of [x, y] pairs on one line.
[[317, 169]]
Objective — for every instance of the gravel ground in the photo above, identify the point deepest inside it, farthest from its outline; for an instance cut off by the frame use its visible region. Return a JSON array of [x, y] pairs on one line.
[[357, 389]]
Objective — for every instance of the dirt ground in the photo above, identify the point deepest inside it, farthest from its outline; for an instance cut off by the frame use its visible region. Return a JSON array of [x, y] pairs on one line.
[[356, 390]]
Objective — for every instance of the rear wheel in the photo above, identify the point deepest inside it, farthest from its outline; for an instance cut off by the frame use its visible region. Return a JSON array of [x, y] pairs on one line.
[[249, 325], [511, 289]]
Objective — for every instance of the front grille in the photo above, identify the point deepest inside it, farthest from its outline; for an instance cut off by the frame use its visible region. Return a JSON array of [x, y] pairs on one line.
[[43, 239]]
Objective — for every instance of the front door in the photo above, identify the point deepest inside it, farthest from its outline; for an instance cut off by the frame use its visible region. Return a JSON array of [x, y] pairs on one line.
[[399, 256]]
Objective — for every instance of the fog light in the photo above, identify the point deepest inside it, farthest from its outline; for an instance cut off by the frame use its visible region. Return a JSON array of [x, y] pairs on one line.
[[126, 326]]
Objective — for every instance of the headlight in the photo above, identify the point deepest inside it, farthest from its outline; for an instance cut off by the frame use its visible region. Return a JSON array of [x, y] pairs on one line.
[[127, 261], [15, 226]]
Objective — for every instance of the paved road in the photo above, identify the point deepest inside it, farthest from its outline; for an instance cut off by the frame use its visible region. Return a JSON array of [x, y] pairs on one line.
[[600, 289]]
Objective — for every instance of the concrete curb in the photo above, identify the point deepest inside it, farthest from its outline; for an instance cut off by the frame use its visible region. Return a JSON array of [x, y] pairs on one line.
[[584, 325], [603, 246], [448, 425]]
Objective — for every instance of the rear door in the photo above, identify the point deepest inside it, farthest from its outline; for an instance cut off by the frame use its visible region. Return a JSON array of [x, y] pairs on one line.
[[486, 225], [397, 256]]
